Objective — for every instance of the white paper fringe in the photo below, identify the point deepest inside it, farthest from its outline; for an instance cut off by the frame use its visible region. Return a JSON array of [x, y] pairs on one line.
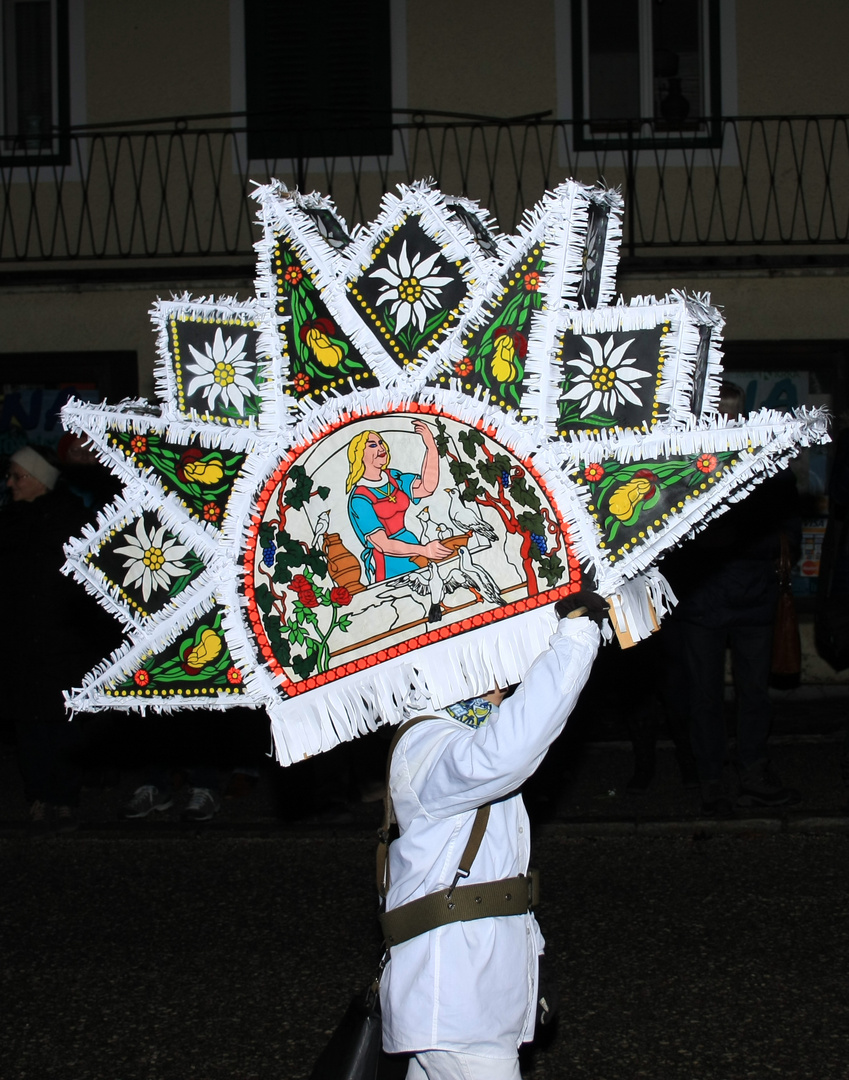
[[438, 674], [502, 651], [636, 601]]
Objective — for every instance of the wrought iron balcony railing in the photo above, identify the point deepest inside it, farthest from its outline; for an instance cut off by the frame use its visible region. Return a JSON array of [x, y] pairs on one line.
[[180, 189]]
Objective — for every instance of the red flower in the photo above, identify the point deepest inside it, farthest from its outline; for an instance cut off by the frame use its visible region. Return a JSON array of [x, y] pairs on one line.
[[211, 511], [302, 382], [294, 274], [340, 596], [187, 458], [464, 366], [532, 281], [138, 444], [141, 677], [520, 342], [324, 326], [305, 591], [593, 472], [706, 463], [234, 676]]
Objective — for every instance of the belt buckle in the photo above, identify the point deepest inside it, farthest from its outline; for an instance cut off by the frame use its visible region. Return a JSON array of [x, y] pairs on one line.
[[533, 889]]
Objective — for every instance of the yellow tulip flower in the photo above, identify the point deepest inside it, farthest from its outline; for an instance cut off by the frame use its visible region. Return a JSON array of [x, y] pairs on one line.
[[503, 368], [206, 650], [626, 498], [206, 473], [323, 348]]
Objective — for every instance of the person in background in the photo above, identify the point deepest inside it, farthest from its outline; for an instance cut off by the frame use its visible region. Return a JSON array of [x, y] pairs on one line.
[[84, 474], [832, 613], [727, 588], [51, 635]]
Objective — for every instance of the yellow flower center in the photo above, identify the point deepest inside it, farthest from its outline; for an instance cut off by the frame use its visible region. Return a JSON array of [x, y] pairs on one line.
[[410, 290], [224, 374], [153, 558], [603, 378]]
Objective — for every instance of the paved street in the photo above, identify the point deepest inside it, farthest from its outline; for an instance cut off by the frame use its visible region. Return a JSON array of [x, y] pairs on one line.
[[212, 957], [684, 948]]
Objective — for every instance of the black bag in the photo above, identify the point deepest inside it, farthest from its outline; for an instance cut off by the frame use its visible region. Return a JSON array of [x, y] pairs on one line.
[[548, 997], [353, 1051], [831, 621], [786, 660]]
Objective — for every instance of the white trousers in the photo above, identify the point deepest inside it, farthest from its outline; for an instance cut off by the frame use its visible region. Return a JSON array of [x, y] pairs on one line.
[[446, 1065]]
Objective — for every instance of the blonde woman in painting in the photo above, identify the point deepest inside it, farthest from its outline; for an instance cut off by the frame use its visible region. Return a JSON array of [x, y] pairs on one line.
[[378, 500]]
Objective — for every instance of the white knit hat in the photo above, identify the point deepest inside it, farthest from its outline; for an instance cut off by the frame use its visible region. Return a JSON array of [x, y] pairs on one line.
[[36, 466]]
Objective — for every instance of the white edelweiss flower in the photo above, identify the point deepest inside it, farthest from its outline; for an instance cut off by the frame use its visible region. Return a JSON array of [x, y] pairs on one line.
[[152, 558], [606, 377], [222, 371], [411, 288]]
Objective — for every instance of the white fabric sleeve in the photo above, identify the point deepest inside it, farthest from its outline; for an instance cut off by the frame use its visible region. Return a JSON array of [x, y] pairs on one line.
[[467, 767]]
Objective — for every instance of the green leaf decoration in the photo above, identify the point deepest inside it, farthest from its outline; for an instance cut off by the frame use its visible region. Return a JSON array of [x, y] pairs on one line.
[[461, 471], [443, 443], [522, 494], [316, 562], [301, 487], [305, 665], [512, 310], [203, 478], [470, 440], [631, 498], [326, 359], [196, 664], [550, 569]]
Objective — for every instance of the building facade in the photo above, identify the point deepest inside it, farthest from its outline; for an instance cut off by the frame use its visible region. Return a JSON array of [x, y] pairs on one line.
[[133, 134]]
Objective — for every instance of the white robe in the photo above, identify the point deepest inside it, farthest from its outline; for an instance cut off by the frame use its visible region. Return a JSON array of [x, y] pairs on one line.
[[471, 987]]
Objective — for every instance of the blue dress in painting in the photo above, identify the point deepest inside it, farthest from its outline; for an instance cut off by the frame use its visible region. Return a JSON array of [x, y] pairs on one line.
[[372, 507]]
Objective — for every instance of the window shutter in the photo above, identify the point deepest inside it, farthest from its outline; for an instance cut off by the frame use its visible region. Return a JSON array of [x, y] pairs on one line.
[[318, 79]]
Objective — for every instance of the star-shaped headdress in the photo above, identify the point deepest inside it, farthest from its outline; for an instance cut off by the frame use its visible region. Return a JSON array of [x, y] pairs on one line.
[[362, 490]]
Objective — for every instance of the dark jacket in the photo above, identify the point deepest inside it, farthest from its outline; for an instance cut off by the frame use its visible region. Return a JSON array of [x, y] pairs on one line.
[[726, 576], [51, 632]]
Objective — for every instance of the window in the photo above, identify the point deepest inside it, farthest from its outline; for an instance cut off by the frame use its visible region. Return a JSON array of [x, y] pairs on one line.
[[318, 82], [646, 71], [35, 93]]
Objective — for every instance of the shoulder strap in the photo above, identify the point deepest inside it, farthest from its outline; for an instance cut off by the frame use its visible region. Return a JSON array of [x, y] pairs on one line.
[[475, 838]]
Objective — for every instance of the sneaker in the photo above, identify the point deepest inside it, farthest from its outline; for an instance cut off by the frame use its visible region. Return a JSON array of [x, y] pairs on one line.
[[203, 805], [715, 800], [39, 820], [66, 820], [759, 786], [147, 798]]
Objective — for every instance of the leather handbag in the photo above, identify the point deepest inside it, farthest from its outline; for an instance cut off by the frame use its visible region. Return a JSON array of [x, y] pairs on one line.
[[786, 663], [831, 621], [353, 1051]]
